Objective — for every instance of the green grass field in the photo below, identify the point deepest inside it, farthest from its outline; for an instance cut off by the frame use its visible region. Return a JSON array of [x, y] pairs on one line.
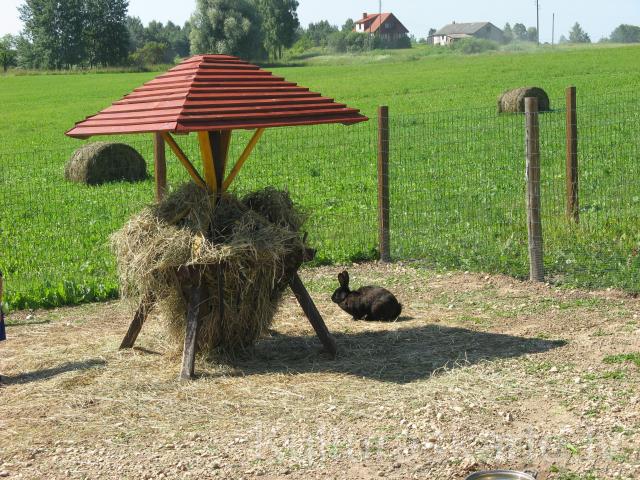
[[456, 176]]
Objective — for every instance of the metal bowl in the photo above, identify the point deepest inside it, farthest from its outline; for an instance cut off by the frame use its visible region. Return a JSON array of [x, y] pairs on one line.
[[500, 475]]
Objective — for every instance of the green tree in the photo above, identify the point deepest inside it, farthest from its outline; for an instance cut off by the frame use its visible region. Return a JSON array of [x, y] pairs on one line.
[[279, 22], [349, 26], [228, 27], [520, 32], [55, 30], [136, 33], [578, 35], [64, 33], [175, 37], [8, 52], [319, 32], [152, 53], [532, 34], [626, 34], [106, 33], [25, 53], [507, 33]]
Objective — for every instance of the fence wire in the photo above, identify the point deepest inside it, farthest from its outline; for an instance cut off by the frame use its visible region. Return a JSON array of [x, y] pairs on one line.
[[457, 199]]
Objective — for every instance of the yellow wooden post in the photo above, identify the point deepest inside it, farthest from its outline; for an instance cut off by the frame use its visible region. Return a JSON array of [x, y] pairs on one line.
[[207, 161], [243, 158], [184, 160]]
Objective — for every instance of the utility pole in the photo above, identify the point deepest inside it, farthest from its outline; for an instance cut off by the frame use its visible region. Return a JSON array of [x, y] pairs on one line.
[[538, 21], [553, 30]]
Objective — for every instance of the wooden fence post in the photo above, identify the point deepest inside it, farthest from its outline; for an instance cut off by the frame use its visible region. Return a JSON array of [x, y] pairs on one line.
[[534, 221], [383, 184], [573, 210], [160, 166]]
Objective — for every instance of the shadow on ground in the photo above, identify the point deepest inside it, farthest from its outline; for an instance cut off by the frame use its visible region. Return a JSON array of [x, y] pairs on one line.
[[400, 356], [47, 373]]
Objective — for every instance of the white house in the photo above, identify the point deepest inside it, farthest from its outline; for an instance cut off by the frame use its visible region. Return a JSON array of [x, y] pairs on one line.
[[456, 31]]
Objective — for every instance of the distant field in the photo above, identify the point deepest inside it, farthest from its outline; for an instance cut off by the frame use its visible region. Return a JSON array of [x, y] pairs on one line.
[[456, 183]]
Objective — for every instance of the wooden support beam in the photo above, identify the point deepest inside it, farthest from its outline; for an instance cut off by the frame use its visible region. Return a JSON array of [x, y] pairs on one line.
[[243, 158], [225, 143], [136, 325], [384, 236], [219, 141], [573, 210], [184, 160], [208, 160], [191, 334], [534, 210], [312, 313], [160, 166]]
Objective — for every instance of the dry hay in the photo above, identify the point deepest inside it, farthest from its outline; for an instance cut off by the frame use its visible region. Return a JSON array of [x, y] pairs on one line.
[[256, 239], [512, 101], [102, 162]]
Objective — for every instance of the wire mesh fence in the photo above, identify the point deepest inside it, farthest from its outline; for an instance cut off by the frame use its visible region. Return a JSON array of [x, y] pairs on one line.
[[457, 199]]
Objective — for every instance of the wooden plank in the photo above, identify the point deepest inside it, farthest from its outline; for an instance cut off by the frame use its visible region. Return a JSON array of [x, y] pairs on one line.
[[283, 122], [136, 325], [243, 158], [573, 208], [184, 160], [534, 217], [248, 112], [206, 151], [261, 115], [312, 313], [160, 166], [191, 334], [383, 185]]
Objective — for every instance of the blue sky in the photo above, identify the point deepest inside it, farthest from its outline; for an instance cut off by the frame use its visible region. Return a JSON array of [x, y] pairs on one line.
[[598, 18]]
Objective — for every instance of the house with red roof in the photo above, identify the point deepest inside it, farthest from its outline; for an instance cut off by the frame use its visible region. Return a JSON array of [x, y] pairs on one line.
[[384, 24]]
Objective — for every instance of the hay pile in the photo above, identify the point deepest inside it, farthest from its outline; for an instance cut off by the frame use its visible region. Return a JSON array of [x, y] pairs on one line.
[[512, 101], [255, 238], [101, 162]]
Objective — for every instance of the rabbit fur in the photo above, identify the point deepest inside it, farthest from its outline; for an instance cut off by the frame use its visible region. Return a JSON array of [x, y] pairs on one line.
[[367, 303]]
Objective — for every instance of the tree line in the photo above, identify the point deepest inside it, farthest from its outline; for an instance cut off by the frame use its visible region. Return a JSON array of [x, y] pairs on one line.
[[64, 34], [325, 36]]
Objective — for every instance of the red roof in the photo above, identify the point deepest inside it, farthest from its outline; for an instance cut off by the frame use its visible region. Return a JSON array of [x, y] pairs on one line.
[[215, 92], [374, 21]]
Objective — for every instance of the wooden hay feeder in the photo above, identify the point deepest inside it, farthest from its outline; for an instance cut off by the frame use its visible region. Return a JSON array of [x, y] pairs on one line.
[[212, 95]]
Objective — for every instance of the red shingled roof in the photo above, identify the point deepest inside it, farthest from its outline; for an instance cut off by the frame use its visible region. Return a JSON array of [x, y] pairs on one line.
[[374, 21], [215, 92]]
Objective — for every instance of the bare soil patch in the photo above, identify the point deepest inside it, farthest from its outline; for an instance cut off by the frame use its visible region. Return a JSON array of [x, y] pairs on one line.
[[480, 372]]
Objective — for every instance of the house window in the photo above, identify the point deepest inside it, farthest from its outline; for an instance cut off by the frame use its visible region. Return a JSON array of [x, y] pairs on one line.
[[388, 25]]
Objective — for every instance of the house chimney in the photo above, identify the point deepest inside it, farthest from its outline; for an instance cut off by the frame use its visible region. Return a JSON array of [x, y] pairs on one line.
[[365, 15]]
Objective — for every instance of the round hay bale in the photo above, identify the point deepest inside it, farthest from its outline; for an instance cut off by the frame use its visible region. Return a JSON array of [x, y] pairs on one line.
[[512, 101], [102, 162], [255, 239]]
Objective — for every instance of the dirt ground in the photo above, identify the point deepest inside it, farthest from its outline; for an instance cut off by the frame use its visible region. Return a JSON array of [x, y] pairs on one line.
[[480, 372]]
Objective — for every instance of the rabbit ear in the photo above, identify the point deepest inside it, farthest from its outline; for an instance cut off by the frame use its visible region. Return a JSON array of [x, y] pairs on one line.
[[343, 278]]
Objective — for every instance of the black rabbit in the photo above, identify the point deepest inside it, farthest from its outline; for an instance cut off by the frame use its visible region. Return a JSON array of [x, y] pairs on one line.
[[368, 303]]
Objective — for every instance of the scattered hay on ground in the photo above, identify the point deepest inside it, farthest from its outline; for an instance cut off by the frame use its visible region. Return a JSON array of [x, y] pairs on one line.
[[103, 162], [186, 232], [512, 101]]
